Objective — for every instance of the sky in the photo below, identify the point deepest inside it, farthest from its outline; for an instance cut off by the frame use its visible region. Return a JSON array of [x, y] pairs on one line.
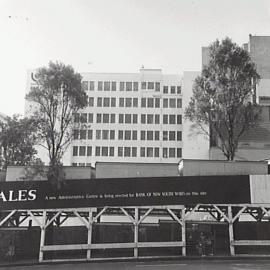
[[116, 36]]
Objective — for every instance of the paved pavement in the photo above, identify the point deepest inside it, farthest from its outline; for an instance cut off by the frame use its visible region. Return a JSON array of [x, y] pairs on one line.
[[168, 265]]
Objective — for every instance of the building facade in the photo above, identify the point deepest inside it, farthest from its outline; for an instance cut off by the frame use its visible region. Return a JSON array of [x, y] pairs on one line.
[[130, 117]]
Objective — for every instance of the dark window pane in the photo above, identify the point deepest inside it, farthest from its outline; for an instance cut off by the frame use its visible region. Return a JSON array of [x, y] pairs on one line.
[[165, 103], [75, 151], [90, 117], [150, 85], [143, 85], [113, 86], [89, 151], [100, 86], [128, 86], [92, 85], [172, 89], [143, 119], [82, 151], [107, 86], [157, 88], [135, 86], [165, 89], [143, 102], [122, 86]]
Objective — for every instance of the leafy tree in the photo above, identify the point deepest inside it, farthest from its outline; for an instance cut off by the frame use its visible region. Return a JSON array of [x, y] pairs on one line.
[[58, 94], [222, 100], [17, 139]]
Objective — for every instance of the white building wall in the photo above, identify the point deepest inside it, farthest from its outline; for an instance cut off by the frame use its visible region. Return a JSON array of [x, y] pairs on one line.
[[196, 146]]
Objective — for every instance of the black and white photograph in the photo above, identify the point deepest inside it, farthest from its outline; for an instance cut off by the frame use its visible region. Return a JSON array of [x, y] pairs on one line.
[[135, 134]]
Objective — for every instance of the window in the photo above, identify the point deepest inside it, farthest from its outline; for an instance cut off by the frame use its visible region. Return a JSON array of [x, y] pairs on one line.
[[172, 103], [127, 134], [98, 117], [165, 152], [113, 86], [120, 134], [98, 134], [143, 85], [75, 134], [135, 102], [127, 151], [90, 134], [134, 135], [107, 86], [135, 118], [150, 118], [135, 86], [156, 152], [84, 85], [142, 135], [89, 151], [165, 103], [113, 102], [143, 102], [157, 102], [120, 151], [165, 135], [149, 151], [121, 118], [150, 85], [143, 119], [172, 152], [150, 135], [179, 119], [74, 164], [128, 102], [122, 86], [90, 118], [100, 86], [106, 102], [157, 86], [172, 119], [172, 89], [105, 134], [171, 136], [91, 102], [179, 152], [165, 119], [150, 102], [104, 151], [165, 89], [112, 134], [99, 102], [82, 151], [156, 118], [75, 151], [121, 102], [156, 135], [179, 136], [83, 134], [106, 117], [83, 118], [111, 151], [178, 89], [128, 86], [179, 103], [112, 118], [92, 85], [76, 117], [134, 151], [142, 151], [127, 118], [97, 151]]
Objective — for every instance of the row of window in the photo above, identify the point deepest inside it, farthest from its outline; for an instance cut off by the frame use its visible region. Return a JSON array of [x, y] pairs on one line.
[[149, 135], [128, 118], [128, 86], [106, 151], [133, 102]]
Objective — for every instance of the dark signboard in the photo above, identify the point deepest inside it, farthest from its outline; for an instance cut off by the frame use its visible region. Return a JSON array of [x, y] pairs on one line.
[[126, 192]]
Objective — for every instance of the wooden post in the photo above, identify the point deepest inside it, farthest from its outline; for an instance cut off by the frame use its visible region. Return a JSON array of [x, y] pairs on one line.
[[183, 231], [231, 237], [42, 236], [136, 232], [90, 230]]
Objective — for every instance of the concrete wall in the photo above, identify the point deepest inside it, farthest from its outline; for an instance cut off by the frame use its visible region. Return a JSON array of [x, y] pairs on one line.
[[18, 173], [260, 188], [195, 146], [123, 170], [218, 167]]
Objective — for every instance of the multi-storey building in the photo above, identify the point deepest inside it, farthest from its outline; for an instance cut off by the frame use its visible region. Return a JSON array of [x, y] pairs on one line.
[[131, 117]]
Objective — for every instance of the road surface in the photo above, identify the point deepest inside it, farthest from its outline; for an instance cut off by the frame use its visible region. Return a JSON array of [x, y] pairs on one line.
[[155, 265]]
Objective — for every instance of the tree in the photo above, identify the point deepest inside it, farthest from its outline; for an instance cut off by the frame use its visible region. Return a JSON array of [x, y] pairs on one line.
[[17, 139], [222, 100], [58, 95]]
